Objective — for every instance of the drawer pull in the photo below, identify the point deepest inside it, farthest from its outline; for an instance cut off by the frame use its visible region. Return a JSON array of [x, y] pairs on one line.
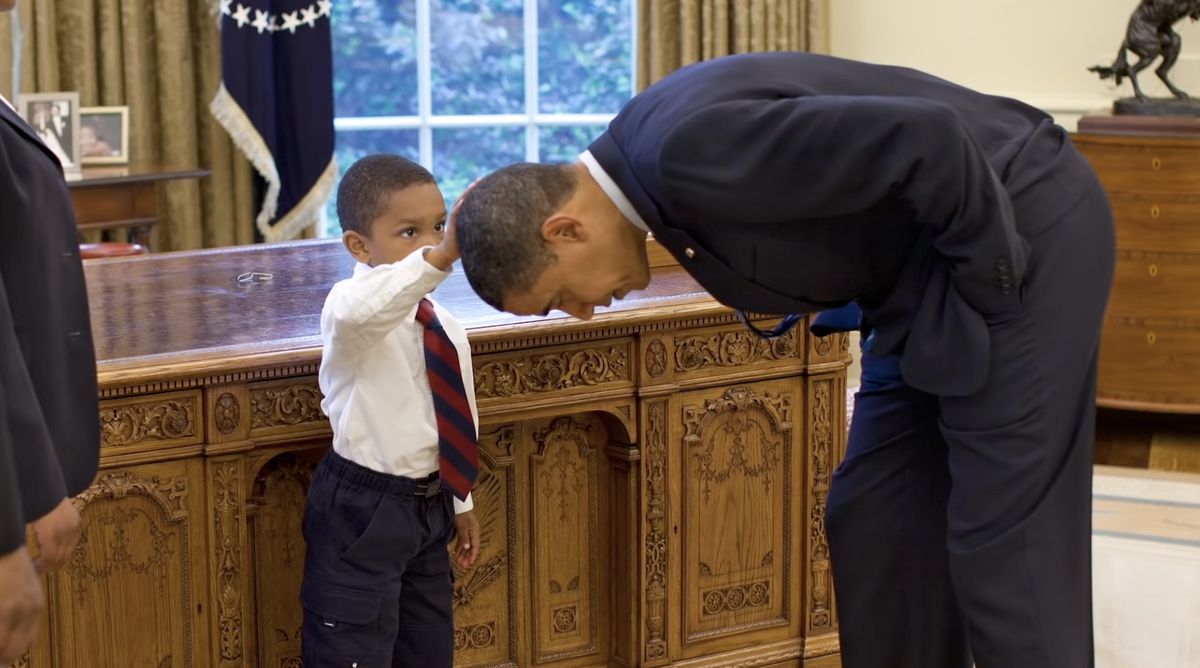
[[1154, 212], [1153, 270], [1156, 163], [1150, 338]]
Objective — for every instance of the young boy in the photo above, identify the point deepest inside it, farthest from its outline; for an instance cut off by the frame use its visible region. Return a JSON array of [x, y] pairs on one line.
[[385, 499]]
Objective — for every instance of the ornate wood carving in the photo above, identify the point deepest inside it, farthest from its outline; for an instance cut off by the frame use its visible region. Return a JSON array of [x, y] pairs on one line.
[[738, 445], [482, 594], [498, 443], [227, 519], [564, 619], [820, 603], [228, 413], [566, 494], [736, 597], [823, 345], [475, 636], [656, 358], [656, 535], [153, 421], [285, 405], [730, 349], [133, 564], [277, 545], [568, 369]]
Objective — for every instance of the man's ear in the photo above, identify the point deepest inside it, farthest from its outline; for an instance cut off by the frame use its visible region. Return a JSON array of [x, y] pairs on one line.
[[357, 245], [564, 228]]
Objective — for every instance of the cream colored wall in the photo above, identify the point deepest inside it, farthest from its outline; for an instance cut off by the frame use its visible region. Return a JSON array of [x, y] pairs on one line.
[[1037, 51]]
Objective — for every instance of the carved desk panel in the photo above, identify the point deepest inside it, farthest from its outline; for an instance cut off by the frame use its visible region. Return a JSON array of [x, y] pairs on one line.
[[651, 492]]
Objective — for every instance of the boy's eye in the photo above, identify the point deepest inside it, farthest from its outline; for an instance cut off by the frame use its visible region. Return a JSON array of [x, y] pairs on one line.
[[409, 232], [440, 227]]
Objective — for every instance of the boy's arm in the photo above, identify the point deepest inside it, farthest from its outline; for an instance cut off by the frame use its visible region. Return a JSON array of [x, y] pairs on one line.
[[362, 310]]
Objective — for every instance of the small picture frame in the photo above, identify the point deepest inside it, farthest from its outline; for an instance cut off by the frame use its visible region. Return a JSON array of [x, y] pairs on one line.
[[104, 135], [55, 119]]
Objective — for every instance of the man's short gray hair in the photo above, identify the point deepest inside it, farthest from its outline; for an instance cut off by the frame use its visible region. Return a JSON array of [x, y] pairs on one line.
[[499, 227]]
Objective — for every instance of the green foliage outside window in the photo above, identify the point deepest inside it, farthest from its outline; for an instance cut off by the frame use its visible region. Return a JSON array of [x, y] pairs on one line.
[[477, 67]]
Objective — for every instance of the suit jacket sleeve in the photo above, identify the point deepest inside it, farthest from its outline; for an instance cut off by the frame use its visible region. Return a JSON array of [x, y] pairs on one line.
[[792, 159], [31, 480], [12, 514]]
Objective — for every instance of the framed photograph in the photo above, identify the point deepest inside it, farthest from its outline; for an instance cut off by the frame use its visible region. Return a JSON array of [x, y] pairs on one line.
[[104, 135], [55, 118]]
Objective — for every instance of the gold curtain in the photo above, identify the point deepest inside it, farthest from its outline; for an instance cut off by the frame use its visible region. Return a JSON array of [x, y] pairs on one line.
[[674, 33], [162, 59]]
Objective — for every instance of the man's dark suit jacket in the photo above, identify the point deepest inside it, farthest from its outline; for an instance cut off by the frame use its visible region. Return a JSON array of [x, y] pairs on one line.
[[791, 183], [49, 415]]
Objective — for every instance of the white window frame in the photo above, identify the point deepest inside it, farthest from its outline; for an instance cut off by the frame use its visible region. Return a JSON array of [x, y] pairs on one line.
[[425, 121]]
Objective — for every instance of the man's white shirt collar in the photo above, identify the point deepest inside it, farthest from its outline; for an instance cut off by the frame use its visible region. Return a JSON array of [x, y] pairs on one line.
[[611, 189]]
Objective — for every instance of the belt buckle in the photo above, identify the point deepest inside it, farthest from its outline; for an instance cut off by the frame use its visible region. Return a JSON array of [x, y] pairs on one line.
[[433, 488]]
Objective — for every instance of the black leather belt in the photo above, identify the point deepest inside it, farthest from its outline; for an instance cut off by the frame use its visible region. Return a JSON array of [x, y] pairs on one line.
[[429, 489]]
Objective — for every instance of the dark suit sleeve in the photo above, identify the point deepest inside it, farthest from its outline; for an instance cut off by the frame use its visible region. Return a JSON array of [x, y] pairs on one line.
[[792, 159], [31, 476], [12, 514]]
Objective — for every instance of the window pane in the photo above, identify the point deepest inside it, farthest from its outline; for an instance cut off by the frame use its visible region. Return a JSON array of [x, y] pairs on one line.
[[478, 57], [584, 52], [374, 57], [564, 143], [461, 155], [352, 146]]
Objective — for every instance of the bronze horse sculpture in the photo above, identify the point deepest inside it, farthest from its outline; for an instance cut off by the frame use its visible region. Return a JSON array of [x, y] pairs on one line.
[[1149, 36]]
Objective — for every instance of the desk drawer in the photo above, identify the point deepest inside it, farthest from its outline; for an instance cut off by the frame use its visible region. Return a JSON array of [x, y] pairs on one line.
[[1157, 285], [1145, 167], [1157, 223], [1150, 362], [101, 207]]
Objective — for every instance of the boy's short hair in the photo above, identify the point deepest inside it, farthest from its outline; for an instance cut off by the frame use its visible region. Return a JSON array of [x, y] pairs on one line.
[[363, 192]]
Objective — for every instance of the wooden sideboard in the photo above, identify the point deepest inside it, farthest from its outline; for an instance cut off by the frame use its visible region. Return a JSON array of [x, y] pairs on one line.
[[1150, 353], [652, 486], [122, 196]]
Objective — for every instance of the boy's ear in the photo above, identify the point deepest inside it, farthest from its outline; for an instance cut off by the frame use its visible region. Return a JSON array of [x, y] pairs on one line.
[[357, 245]]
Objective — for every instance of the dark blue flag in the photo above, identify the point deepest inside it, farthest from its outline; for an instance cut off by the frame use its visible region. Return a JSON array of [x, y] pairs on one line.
[[276, 101]]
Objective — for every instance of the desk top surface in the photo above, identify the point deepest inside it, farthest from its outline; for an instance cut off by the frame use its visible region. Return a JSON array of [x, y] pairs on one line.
[[190, 308], [137, 172]]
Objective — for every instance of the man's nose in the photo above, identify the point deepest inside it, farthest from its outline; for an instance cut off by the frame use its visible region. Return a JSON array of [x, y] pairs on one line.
[[581, 311]]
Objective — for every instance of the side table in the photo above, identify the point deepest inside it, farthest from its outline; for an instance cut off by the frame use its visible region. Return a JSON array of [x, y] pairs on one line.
[[123, 196]]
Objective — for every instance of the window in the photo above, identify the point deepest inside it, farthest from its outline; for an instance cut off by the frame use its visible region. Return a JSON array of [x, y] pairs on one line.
[[466, 86]]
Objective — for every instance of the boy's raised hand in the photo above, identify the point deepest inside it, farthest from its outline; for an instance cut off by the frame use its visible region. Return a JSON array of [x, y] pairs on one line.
[[445, 254], [466, 525]]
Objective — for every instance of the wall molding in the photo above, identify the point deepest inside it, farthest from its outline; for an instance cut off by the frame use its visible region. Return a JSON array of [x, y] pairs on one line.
[[1074, 105]]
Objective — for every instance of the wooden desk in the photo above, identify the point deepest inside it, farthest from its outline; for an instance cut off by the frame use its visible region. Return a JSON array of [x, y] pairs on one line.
[[122, 196], [652, 482]]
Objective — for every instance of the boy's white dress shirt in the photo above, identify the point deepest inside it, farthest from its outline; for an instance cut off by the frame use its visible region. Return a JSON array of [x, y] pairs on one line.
[[373, 376]]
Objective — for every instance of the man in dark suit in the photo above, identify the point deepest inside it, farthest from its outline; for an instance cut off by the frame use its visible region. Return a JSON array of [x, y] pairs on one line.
[[978, 246], [49, 426]]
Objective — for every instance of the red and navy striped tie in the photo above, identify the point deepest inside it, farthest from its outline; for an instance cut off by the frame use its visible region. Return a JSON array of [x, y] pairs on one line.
[[457, 444]]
